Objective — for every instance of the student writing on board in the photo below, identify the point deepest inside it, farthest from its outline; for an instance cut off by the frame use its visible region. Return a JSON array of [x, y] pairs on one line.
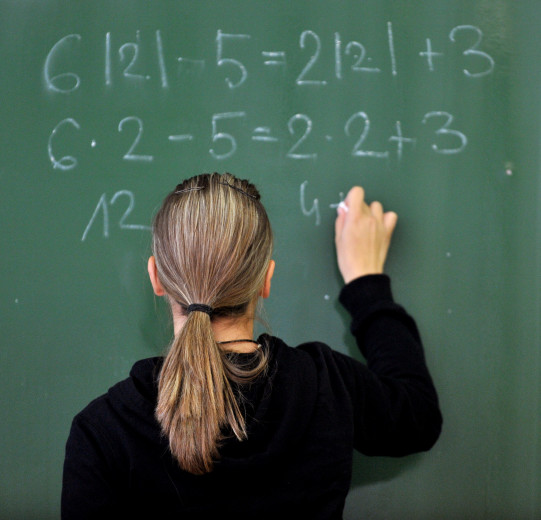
[[230, 426]]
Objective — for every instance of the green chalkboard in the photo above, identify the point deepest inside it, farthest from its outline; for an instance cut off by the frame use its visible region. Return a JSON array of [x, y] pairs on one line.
[[434, 107]]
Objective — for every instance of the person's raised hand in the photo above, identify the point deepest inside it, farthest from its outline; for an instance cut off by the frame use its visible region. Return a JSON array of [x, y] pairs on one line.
[[362, 235]]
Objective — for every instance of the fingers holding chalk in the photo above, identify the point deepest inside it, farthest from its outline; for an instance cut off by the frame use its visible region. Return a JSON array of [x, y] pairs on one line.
[[362, 235]]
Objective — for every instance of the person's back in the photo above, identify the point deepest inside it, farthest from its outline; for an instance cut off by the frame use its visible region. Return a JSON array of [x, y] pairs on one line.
[[241, 428]]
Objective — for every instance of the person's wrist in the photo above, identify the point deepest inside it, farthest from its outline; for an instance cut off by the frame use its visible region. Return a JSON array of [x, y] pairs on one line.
[[354, 274]]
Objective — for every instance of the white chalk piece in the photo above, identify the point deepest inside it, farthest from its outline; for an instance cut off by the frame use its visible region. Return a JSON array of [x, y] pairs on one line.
[[343, 206]]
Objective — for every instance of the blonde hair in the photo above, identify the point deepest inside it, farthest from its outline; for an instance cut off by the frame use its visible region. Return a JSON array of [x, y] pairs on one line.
[[212, 242]]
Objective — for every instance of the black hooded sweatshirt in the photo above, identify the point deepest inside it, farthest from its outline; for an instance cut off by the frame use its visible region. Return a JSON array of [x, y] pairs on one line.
[[304, 418]]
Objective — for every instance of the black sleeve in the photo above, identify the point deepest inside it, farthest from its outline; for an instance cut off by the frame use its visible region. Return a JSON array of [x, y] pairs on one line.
[[88, 477], [395, 403]]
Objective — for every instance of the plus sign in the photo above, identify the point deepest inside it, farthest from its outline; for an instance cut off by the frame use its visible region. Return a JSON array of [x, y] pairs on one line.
[[401, 140], [429, 54]]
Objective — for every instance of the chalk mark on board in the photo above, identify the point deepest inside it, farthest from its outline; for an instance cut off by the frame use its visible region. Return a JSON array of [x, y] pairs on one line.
[[445, 130], [130, 155], [67, 162], [274, 58], [400, 140], [429, 54], [263, 133], [124, 53], [52, 82], [337, 204], [180, 138], [189, 63], [474, 50], [103, 207], [315, 206], [390, 38], [307, 123], [301, 79], [220, 60], [161, 59]]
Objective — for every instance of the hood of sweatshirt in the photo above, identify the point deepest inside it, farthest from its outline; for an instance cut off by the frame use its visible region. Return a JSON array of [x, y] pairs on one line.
[[279, 406]]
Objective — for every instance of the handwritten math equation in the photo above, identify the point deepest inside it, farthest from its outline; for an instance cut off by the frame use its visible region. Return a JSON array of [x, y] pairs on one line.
[[102, 219], [233, 59], [147, 60], [229, 131]]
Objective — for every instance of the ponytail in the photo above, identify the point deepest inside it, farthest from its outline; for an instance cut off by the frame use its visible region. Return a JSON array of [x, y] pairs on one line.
[[195, 398], [212, 243]]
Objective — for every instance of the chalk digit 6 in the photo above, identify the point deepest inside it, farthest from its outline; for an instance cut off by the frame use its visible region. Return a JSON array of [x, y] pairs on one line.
[[68, 162], [54, 83]]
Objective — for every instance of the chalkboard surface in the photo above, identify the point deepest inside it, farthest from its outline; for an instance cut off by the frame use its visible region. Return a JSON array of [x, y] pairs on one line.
[[434, 107]]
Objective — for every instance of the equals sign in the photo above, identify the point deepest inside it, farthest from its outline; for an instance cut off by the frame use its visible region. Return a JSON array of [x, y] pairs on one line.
[[262, 133], [274, 58]]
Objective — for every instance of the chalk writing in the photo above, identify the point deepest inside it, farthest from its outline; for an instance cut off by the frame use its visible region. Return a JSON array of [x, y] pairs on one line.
[[310, 63], [133, 60], [108, 78], [161, 60], [130, 155], [315, 205], [400, 140], [263, 134], [357, 50], [221, 61], [429, 54], [314, 210], [68, 161], [103, 208], [132, 49], [445, 130], [274, 58], [293, 153], [66, 81], [474, 50], [357, 151], [301, 80], [442, 139], [341, 204], [390, 39], [217, 136]]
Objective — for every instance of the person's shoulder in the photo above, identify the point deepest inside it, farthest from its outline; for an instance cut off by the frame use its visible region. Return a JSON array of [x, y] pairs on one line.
[[137, 388], [316, 350], [147, 366], [327, 358], [316, 353], [314, 366], [281, 350]]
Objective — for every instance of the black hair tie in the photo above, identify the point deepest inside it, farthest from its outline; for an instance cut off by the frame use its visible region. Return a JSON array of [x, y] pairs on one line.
[[200, 307]]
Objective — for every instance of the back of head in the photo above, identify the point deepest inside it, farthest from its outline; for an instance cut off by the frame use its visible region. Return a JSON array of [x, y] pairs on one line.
[[212, 243]]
